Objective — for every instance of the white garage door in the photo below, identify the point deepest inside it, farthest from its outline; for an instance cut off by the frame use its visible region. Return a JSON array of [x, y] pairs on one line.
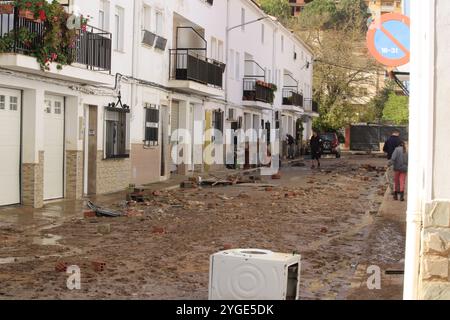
[[9, 147], [54, 148]]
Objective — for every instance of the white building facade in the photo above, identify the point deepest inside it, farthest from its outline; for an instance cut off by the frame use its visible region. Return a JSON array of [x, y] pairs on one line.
[[142, 70], [427, 272]]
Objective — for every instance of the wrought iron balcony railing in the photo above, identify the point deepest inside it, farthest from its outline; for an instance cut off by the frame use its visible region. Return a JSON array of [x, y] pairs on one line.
[[292, 98], [92, 47], [256, 90], [189, 64]]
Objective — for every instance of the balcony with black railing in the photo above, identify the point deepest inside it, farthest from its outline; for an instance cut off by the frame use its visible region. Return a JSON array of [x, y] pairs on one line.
[[24, 35], [190, 69], [190, 64], [292, 98], [257, 90], [311, 106]]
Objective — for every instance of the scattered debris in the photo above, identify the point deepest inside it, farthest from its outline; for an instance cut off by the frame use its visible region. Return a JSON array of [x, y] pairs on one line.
[[188, 185], [103, 212], [104, 228]]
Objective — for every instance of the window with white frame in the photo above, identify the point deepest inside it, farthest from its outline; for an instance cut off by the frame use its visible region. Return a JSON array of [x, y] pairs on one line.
[[147, 18], [2, 102], [48, 106], [213, 48], [220, 51], [103, 15], [159, 23], [58, 107], [101, 19], [119, 29], [238, 65], [151, 125]]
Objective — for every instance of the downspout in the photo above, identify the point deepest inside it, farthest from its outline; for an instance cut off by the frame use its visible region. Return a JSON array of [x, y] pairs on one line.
[[421, 104], [227, 40], [135, 52]]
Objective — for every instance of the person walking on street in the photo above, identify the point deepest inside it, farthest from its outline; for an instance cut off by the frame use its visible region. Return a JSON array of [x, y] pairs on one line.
[[399, 162], [389, 147], [316, 149], [291, 144]]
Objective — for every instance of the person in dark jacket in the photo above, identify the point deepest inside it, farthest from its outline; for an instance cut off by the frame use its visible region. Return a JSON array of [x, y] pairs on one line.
[[389, 147], [392, 143], [316, 149], [291, 145], [399, 161]]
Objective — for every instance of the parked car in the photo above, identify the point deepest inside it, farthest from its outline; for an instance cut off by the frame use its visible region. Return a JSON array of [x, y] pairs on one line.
[[330, 144]]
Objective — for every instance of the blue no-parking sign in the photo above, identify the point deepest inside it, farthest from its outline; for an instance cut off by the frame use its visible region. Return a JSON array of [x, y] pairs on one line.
[[388, 39]]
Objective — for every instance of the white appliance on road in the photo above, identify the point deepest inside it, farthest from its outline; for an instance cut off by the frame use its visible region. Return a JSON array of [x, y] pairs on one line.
[[254, 274]]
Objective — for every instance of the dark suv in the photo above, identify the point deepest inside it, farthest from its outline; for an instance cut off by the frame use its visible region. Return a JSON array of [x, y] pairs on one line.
[[330, 144]]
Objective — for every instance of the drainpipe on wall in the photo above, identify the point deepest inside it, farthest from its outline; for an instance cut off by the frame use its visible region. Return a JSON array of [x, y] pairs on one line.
[[227, 56], [135, 53]]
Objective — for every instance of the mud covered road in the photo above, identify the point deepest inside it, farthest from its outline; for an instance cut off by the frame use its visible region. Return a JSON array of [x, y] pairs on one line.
[[161, 251]]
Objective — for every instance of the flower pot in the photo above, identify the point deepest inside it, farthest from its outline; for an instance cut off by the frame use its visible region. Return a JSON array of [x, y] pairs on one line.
[[27, 14], [6, 9]]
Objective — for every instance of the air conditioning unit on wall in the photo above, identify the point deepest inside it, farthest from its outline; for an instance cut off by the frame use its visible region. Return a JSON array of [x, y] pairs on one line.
[[253, 274]]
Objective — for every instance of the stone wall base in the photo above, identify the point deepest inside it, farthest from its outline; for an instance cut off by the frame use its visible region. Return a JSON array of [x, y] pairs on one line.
[[435, 256], [112, 174], [33, 183], [74, 174]]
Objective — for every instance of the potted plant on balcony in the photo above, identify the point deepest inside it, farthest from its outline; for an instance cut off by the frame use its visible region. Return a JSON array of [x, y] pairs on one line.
[[6, 8], [36, 10], [23, 36], [58, 41]]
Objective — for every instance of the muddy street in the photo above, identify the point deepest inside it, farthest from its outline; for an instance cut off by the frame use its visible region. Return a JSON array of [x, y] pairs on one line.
[[161, 250]]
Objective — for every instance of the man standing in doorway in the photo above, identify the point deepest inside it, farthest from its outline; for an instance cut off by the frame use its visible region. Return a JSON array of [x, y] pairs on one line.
[[389, 147]]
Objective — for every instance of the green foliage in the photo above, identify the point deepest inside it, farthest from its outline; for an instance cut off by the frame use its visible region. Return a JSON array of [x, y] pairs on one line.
[[23, 35], [377, 104], [396, 110], [58, 42], [319, 14], [336, 32], [277, 8]]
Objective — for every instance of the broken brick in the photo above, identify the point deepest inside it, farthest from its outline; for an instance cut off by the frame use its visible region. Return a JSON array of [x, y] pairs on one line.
[[276, 176], [227, 246], [289, 194], [61, 266], [98, 266], [158, 230], [89, 214], [269, 189]]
